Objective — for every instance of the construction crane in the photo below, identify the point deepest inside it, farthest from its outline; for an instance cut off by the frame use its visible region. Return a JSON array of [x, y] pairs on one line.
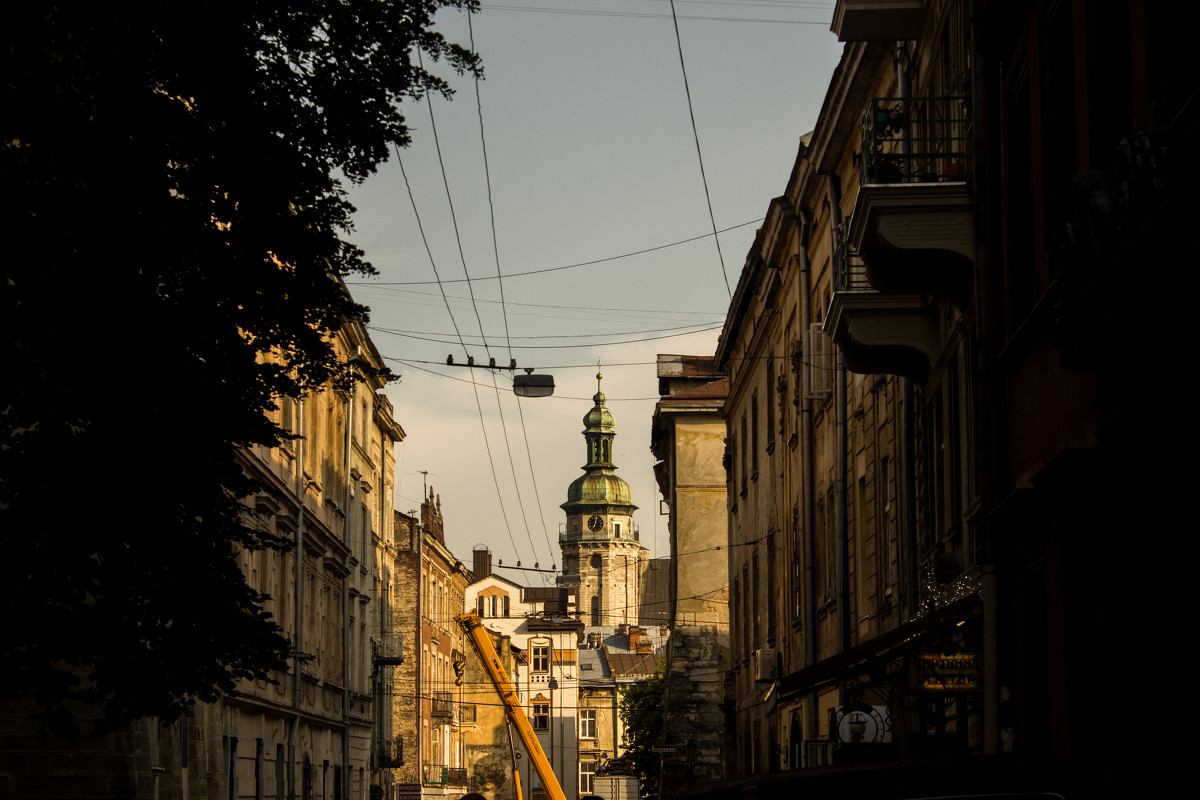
[[477, 635]]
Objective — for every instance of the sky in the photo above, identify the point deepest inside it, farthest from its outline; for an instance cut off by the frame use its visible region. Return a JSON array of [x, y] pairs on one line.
[[591, 160]]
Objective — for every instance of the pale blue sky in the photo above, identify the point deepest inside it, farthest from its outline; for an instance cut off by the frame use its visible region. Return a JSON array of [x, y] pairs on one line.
[[591, 155]]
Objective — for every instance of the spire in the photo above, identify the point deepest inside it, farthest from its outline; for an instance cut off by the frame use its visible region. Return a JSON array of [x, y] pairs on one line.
[[599, 486]]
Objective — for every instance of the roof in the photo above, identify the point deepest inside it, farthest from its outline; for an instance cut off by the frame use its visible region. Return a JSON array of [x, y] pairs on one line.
[[632, 665], [593, 667]]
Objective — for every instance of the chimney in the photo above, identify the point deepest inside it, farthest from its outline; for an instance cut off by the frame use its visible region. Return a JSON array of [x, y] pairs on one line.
[[481, 562], [635, 635]]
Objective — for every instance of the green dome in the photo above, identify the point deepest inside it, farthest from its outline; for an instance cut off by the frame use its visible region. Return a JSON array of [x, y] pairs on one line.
[[598, 488]]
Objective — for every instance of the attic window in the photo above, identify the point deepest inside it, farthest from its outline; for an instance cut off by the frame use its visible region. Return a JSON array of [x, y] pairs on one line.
[[585, 666]]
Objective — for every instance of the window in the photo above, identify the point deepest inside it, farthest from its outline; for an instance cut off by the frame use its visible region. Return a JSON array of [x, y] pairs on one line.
[[595, 610], [481, 610], [541, 658], [507, 609], [770, 406], [616, 529], [587, 723], [541, 716], [754, 435], [587, 774], [745, 465]]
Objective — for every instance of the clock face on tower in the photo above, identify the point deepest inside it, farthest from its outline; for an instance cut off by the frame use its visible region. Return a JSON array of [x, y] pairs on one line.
[[595, 522]]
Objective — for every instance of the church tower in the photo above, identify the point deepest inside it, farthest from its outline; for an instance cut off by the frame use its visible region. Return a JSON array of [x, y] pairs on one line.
[[602, 557]]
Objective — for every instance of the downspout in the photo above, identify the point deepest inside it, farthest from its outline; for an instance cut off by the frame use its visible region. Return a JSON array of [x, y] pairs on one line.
[[808, 488], [983, 427], [346, 647], [908, 456], [834, 187], [298, 644], [419, 537], [384, 725]]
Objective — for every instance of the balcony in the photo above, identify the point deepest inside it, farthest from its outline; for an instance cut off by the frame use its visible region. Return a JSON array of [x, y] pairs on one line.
[[443, 704], [608, 533], [885, 20], [441, 775], [388, 651], [914, 224], [893, 333], [389, 753]]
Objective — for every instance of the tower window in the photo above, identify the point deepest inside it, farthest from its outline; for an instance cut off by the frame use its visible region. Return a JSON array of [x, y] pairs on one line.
[[616, 529], [595, 610]]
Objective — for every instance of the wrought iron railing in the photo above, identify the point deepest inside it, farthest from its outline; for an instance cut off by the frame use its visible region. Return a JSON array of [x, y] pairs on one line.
[[456, 776], [435, 775], [443, 704], [849, 272], [389, 753], [915, 139], [388, 651]]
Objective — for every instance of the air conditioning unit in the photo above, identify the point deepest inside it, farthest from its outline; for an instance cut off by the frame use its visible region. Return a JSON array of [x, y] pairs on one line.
[[766, 666]]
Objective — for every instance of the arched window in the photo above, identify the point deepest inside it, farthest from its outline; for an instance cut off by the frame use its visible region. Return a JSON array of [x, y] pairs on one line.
[[595, 610]]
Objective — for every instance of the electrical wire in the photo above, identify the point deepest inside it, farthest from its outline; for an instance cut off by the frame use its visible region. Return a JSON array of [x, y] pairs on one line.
[[565, 266], [699, 155], [643, 15], [507, 335], [557, 346], [703, 326], [544, 305], [453, 217]]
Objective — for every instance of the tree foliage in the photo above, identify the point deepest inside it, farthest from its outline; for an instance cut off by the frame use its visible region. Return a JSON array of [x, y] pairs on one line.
[[176, 231], [641, 710]]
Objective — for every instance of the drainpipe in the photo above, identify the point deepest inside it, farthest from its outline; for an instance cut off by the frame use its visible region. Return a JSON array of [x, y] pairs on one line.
[[298, 645], [982, 385], [346, 647], [808, 488], [418, 646], [834, 187], [908, 480]]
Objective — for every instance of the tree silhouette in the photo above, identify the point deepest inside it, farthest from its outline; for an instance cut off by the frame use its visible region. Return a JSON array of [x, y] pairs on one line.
[[176, 232], [641, 711]]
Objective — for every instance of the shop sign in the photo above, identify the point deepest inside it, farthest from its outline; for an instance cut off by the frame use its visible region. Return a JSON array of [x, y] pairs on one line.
[[408, 791], [945, 672]]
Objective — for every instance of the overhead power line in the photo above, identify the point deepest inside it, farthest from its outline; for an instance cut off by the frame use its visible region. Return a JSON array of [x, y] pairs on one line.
[[699, 155], [565, 266], [645, 15]]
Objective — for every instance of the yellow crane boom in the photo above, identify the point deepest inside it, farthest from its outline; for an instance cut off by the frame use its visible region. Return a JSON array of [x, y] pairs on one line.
[[478, 637]]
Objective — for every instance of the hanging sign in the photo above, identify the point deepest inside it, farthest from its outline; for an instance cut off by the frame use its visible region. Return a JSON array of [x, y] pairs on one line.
[[945, 672]]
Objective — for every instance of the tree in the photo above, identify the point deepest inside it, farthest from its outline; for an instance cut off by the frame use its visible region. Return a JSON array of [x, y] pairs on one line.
[[176, 234], [641, 710]]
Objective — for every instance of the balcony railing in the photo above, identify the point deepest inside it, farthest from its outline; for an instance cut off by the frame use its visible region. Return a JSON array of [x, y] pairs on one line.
[[434, 775], [389, 754], [915, 139], [607, 532], [849, 271], [441, 775], [443, 704], [388, 651]]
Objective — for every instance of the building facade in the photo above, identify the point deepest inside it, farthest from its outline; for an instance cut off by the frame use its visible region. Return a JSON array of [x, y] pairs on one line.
[[928, 457], [308, 731], [544, 642], [426, 708], [688, 439]]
